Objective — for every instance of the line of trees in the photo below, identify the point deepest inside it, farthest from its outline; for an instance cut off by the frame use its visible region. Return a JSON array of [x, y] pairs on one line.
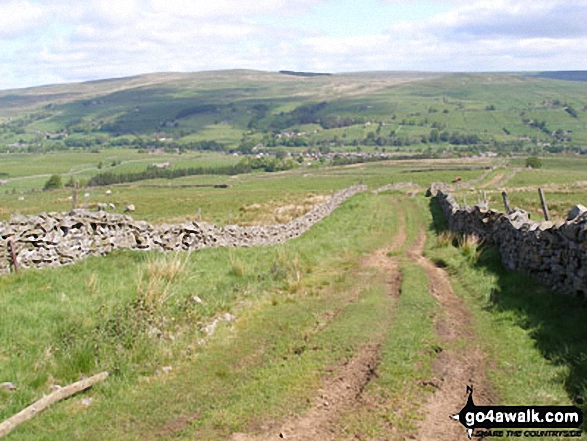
[[246, 165]]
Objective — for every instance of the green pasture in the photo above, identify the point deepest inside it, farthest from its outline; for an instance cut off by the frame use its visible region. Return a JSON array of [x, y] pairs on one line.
[[134, 313], [26, 172], [301, 309], [85, 318], [162, 200]]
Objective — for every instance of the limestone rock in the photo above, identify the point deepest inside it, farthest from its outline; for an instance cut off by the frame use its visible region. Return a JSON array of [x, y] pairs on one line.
[[8, 386]]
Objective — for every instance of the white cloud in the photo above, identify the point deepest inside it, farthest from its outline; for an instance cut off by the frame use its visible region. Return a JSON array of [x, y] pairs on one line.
[[18, 17], [104, 38], [230, 8], [515, 18], [115, 11], [346, 45]]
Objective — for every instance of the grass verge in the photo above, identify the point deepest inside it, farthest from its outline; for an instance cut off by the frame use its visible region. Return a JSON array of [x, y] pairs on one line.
[[535, 336], [143, 317]]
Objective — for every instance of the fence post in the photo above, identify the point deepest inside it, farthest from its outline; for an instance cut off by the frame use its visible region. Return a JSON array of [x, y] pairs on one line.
[[506, 202], [544, 207], [13, 255], [74, 196]]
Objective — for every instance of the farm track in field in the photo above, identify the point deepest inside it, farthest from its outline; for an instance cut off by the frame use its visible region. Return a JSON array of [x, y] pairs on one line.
[[407, 353], [460, 362], [341, 393]]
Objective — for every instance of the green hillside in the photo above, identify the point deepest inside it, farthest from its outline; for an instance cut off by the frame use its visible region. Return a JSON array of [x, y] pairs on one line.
[[243, 108]]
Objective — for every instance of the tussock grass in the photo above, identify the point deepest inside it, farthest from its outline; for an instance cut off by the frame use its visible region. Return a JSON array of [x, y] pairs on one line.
[[445, 239], [469, 247], [290, 269], [237, 266], [157, 277]]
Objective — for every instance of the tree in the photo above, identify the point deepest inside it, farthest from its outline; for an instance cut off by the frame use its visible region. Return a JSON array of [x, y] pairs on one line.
[[53, 182], [533, 162]]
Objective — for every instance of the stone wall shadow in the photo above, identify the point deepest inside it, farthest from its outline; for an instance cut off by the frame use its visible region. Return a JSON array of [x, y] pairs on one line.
[[556, 322], [439, 222]]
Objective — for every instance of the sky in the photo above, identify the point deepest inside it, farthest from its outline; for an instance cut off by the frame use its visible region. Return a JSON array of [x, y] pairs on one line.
[[59, 41]]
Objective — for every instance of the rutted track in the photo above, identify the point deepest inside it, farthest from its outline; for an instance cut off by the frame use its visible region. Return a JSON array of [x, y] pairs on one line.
[[336, 396], [461, 361], [341, 393]]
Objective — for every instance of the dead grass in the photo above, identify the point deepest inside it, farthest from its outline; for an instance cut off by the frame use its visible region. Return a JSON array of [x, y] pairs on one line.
[[445, 238], [156, 279], [275, 211]]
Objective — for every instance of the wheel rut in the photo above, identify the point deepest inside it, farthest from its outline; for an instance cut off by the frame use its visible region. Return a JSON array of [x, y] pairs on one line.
[[493, 181], [461, 361], [342, 392], [336, 396]]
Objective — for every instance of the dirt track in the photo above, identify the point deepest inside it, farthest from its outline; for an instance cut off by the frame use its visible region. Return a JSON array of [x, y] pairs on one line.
[[341, 393], [460, 363]]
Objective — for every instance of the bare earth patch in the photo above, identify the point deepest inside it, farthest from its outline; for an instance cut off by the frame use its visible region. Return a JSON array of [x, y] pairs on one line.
[[174, 426], [336, 396]]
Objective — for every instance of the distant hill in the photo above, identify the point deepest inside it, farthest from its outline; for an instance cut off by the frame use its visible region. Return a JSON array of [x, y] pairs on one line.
[[568, 75], [241, 109], [303, 74]]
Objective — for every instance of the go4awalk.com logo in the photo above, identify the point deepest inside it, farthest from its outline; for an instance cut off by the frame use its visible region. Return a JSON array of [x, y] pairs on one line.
[[519, 421]]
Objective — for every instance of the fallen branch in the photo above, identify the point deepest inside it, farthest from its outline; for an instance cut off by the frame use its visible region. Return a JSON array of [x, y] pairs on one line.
[[30, 412]]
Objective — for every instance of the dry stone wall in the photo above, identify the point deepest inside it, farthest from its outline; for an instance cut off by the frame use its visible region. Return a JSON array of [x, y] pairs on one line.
[[53, 239], [555, 253]]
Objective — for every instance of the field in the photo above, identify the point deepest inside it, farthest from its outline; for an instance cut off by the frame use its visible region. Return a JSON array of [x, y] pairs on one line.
[[369, 326]]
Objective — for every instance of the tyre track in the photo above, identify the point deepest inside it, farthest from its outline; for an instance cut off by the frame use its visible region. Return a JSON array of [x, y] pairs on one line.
[[342, 392], [461, 361]]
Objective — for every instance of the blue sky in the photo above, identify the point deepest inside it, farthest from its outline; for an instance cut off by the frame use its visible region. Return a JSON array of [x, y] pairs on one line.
[[57, 41]]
